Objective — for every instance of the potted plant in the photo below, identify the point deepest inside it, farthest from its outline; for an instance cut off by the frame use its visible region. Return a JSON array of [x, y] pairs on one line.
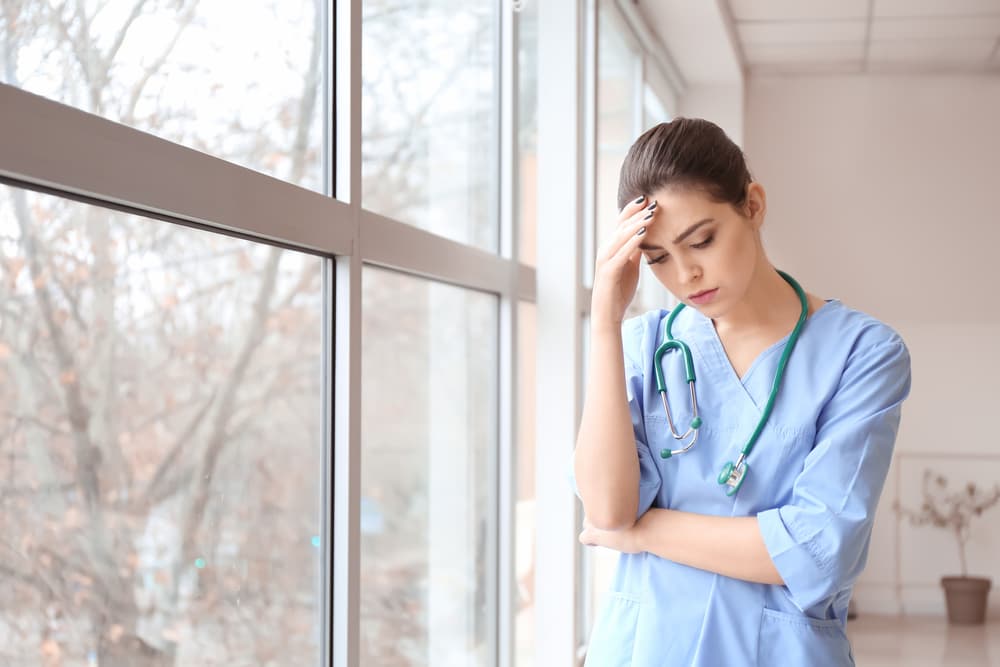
[[965, 596]]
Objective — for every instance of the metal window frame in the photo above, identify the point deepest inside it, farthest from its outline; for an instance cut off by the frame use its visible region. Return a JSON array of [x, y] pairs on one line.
[[562, 145]]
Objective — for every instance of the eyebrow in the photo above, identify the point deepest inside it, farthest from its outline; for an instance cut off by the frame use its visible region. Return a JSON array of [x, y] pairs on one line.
[[683, 235]]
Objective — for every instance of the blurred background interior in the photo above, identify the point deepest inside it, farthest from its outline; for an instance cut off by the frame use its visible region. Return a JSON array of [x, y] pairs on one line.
[[294, 304]]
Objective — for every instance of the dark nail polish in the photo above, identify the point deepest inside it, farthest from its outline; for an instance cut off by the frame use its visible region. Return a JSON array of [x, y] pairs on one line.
[[642, 230], [639, 200], [651, 206], [648, 216]]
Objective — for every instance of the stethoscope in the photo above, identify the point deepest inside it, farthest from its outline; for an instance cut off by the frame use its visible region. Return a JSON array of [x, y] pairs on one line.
[[733, 474]]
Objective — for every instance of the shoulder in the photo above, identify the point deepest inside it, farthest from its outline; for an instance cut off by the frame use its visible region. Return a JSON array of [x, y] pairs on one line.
[[641, 333], [646, 328], [855, 329], [866, 351], [644, 324]]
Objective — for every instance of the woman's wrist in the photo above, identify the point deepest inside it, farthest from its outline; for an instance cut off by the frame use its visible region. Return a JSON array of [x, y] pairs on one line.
[[639, 536], [605, 328]]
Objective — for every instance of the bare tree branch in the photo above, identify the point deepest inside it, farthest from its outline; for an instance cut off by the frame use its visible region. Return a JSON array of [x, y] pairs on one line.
[[155, 491], [78, 414], [183, 21], [109, 57], [255, 334]]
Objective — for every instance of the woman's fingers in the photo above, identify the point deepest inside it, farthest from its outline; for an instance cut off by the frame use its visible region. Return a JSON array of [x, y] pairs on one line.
[[626, 230], [632, 208], [616, 272], [631, 236]]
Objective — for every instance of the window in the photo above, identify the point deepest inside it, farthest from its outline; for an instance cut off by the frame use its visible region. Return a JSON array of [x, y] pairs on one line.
[[161, 442], [653, 110], [626, 107], [429, 118], [619, 72], [527, 134], [244, 86], [524, 511], [175, 463], [428, 472]]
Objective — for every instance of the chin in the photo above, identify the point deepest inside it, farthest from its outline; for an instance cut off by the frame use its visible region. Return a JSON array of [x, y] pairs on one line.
[[712, 310]]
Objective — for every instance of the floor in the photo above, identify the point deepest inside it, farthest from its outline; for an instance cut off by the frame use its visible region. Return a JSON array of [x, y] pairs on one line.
[[917, 641]]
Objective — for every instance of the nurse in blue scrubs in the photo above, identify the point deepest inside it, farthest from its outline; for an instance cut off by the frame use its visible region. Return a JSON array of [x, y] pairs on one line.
[[705, 578]]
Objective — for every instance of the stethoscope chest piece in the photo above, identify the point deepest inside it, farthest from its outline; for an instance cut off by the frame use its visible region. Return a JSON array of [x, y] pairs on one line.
[[733, 476]]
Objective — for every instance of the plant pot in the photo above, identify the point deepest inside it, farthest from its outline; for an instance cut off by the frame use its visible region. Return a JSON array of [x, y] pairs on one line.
[[966, 599]]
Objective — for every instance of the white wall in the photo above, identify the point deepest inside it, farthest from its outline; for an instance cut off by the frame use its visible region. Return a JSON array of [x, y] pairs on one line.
[[884, 191], [721, 103]]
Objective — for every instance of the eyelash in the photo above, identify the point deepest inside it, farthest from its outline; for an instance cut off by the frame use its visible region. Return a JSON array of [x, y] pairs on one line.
[[698, 246]]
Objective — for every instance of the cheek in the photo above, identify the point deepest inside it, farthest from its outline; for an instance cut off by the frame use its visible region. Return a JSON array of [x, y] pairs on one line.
[[664, 276], [736, 252]]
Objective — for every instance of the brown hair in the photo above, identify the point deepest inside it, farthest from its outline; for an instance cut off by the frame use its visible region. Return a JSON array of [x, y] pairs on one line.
[[685, 153]]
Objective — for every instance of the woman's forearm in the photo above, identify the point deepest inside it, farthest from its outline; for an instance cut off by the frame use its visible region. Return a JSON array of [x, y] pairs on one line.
[[731, 546], [606, 463]]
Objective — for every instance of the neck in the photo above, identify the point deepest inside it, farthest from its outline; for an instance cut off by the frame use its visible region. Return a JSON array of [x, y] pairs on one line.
[[768, 302]]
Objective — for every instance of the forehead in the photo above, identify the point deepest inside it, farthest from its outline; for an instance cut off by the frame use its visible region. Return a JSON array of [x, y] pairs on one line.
[[679, 208], [684, 198]]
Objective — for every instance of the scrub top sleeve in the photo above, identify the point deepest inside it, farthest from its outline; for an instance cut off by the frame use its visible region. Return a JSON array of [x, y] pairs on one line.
[[633, 333], [649, 474], [819, 540]]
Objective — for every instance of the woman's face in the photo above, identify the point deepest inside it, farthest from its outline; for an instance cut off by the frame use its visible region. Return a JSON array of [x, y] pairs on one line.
[[703, 251]]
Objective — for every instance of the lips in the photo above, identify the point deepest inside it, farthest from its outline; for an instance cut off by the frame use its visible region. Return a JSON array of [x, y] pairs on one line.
[[703, 298]]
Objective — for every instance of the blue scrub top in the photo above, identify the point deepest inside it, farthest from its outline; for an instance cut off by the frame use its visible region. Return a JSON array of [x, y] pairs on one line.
[[815, 477]]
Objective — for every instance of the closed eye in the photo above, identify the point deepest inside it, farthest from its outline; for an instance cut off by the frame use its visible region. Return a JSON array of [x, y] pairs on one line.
[[662, 258], [705, 243]]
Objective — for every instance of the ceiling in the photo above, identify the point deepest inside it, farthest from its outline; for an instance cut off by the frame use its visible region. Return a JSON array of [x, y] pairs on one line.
[[853, 36]]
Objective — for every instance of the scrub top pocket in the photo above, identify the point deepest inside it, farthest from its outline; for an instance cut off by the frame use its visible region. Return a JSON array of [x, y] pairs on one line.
[[613, 640], [794, 639]]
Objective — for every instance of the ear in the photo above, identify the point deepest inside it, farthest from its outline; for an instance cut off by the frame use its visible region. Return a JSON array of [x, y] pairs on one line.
[[756, 204]]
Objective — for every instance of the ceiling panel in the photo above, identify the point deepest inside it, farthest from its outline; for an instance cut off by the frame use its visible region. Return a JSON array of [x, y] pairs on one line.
[[695, 37], [839, 67], [935, 7], [901, 36], [936, 28], [971, 52], [798, 32], [797, 10], [804, 54]]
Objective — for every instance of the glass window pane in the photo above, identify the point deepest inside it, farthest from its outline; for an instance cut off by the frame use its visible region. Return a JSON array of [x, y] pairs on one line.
[[524, 511], [654, 111], [429, 429], [650, 292], [617, 114], [429, 116], [620, 108], [244, 84], [160, 442], [527, 139], [584, 580]]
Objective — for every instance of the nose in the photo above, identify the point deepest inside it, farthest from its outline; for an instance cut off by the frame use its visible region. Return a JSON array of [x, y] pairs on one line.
[[688, 271]]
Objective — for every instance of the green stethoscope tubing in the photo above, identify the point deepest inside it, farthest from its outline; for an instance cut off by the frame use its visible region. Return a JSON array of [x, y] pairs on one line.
[[732, 474]]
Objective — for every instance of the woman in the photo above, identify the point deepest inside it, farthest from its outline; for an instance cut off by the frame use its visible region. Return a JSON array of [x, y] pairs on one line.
[[721, 568]]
